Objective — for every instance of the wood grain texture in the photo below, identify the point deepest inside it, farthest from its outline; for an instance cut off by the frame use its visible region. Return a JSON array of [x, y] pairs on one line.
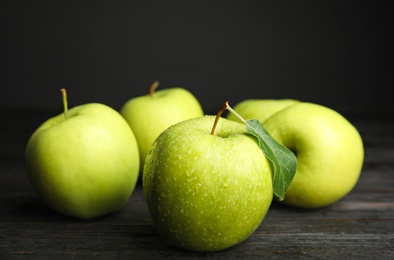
[[360, 226]]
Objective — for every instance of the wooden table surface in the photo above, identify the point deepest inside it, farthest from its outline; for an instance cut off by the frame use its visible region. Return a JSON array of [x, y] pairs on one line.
[[360, 226]]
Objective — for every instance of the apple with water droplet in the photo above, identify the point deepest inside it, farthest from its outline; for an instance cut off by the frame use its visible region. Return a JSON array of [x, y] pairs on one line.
[[207, 184]]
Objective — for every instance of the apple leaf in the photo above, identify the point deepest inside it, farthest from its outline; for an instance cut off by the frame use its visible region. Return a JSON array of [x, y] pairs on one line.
[[283, 160]]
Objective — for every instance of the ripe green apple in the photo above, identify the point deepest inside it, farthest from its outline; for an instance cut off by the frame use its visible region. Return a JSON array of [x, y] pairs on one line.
[[260, 109], [207, 192], [85, 165], [151, 114], [329, 150]]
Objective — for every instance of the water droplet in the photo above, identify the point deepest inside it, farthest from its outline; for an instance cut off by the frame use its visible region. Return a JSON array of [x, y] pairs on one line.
[[189, 173]]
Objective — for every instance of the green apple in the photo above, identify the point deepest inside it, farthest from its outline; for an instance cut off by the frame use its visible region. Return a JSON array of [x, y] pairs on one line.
[[329, 150], [260, 109], [151, 114], [207, 191], [83, 163]]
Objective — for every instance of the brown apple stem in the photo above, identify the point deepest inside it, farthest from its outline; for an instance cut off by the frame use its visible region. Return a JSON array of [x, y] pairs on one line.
[[222, 108], [153, 87], [65, 103]]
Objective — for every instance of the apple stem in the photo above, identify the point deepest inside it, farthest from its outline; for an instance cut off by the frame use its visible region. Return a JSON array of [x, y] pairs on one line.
[[153, 87], [221, 110], [65, 103]]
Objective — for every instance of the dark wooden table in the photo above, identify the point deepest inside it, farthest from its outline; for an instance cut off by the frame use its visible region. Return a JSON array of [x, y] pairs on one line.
[[360, 226]]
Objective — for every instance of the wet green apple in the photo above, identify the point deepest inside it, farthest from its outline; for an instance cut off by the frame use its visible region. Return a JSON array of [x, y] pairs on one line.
[[207, 191]]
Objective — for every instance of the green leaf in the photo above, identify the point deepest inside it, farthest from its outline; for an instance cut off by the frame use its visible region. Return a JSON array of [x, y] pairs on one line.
[[283, 160]]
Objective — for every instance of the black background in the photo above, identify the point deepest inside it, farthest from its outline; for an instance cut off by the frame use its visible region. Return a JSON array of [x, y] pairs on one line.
[[336, 53]]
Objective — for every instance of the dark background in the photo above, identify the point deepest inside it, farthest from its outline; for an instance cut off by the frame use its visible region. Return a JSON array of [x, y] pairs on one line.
[[336, 53]]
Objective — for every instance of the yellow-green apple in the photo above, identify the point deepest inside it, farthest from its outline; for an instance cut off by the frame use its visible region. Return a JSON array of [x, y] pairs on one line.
[[259, 109], [207, 191], [329, 150], [151, 114], [83, 163]]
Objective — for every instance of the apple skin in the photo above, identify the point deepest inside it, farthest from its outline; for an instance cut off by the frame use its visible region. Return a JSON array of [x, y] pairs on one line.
[[329, 150], [260, 109], [207, 192], [148, 115], [85, 166]]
